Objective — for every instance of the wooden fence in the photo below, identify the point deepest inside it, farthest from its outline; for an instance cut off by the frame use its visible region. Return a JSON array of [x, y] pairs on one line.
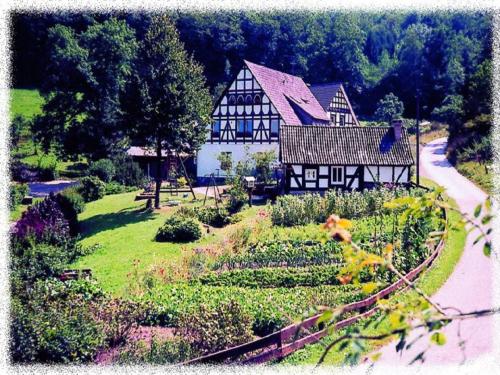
[[286, 341]]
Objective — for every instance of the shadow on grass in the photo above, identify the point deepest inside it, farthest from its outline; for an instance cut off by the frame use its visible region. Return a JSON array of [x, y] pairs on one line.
[[103, 222]]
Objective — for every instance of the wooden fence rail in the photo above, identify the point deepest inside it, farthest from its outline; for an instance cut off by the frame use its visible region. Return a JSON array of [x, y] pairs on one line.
[[277, 345]]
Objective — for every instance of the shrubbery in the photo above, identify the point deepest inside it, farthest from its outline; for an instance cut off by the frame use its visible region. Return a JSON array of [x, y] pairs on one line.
[[103, 168], [127, 171], [17, 193], [213, 328], [68, 322], [116, 188], [179, 229], [45, 222], [92, 188], [71, 203]]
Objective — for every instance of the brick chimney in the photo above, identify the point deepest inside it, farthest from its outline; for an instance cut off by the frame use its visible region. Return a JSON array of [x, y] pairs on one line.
[[397, 126]]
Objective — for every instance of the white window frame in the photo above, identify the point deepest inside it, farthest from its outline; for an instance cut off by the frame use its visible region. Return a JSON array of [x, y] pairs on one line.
[[338, 168], [315, 174]]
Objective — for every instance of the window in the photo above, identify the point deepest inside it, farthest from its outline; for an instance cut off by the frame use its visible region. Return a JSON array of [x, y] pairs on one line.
[[232, 100], [257, 99], [249, 128], [240, 129], [216, 129], [342, 120], [274, 128], [244, 128], [337, 177], [240, 100], [248, 99], [310, 174]]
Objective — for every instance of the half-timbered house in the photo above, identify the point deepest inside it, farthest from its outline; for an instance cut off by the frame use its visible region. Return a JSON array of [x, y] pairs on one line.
[[312, 129]]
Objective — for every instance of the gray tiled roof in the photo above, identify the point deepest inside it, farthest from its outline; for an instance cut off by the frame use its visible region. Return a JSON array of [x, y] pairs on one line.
[[350, 145], [325, 92]]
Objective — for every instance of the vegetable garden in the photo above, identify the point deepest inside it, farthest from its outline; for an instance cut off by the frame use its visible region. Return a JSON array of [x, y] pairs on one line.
[[256, 271]]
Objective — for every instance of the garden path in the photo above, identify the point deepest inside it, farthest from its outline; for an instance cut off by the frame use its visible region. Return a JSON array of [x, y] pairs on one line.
[[470, 286]]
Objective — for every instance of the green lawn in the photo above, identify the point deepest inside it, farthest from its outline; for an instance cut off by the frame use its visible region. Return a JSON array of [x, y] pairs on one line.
[[25, 102], [126, 233], [28, 103], [478, 174], [429, 282]]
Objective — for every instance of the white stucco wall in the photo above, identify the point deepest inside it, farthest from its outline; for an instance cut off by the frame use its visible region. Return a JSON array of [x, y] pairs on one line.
[[207, 162]]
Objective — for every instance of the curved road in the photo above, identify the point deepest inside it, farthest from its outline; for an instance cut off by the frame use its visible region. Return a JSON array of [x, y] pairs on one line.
[[470, 286]]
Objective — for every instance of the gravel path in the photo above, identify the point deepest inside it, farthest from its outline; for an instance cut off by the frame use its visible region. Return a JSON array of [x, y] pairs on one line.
[[42, 189], [470, 285]]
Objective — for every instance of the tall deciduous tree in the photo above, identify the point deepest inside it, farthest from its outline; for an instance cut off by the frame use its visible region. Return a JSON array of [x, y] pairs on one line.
[[389, 107], [85, 79], [167, 106]]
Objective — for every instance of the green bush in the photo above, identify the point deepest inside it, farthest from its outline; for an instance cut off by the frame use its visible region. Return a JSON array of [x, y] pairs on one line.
[[103, 168], [274, 277], [210, 329], [51, 328], [179, 229], [72, 204], [92, 188], [17, 193], [213, 216], [127, 171], [116, 188]]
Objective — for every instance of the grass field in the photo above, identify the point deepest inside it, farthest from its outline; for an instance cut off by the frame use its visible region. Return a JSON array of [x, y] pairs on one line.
[[25, 102], [125, 232], [429, 282]]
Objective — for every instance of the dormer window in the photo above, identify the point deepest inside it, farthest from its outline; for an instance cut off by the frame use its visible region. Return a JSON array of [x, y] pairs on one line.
[[232, 100], [257, 99], [240, 100]]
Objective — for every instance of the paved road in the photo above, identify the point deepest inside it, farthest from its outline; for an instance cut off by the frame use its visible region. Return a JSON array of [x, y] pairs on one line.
[[470, 286], [42, 189]]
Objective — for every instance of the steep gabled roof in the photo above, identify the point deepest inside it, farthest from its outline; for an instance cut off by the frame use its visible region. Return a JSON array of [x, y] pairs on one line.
[[324, 92], [338, 145], [283, 88]]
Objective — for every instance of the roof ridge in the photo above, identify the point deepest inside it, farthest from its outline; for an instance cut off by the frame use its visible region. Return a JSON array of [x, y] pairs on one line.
[[274, 70], [339, 127], [327, 83]]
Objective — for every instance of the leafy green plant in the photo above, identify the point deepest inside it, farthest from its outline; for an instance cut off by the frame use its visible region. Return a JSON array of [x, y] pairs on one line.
[[104, 169], [179, 229], [92, 188], [275, 277], [210, 329], [127, 171], [17, 193], [213, 216], [116, 188]]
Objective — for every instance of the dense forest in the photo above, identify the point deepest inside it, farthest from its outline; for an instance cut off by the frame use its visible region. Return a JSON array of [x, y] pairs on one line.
[[436, 63], [443, 58]]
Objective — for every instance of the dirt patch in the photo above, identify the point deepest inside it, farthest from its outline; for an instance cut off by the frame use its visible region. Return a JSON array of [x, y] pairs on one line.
[[141, 333]]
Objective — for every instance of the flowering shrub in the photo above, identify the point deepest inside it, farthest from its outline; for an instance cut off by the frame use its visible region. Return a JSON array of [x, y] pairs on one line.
[[44, 221]]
